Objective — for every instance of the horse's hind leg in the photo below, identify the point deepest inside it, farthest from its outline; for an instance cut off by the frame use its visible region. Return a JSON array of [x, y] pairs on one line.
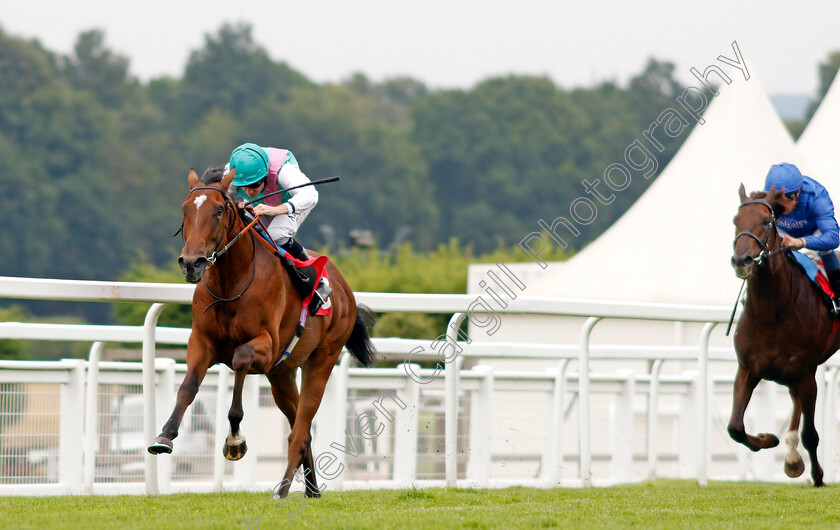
[[745, 383], [285, 392], [196, 370], [794, 466], [314, 381], [806, 391]]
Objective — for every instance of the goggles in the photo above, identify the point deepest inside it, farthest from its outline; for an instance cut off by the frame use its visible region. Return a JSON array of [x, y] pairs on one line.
[[260, 182]]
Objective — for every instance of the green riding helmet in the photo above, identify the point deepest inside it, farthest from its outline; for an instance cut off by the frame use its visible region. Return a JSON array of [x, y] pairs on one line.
[[251, 163]]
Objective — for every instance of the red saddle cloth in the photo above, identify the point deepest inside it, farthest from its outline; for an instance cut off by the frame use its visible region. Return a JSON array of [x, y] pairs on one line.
[[320, 264], [822, 280]]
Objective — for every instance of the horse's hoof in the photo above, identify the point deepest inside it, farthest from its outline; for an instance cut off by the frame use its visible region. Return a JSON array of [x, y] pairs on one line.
[[161, 445], [315, 494], [235, 452], [768, 440], [794, 469]]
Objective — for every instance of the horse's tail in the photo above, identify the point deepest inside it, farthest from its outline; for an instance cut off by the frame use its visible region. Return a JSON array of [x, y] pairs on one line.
[[359, 342]]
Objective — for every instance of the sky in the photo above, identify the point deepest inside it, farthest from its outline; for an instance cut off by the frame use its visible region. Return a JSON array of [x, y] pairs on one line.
[[457, 43]]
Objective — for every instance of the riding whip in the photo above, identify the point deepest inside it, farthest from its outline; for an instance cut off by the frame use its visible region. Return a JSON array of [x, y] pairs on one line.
[[313, 183]]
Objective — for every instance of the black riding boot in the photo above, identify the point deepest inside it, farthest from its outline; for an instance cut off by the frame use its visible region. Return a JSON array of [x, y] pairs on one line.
[[834, 281], [304, 278]]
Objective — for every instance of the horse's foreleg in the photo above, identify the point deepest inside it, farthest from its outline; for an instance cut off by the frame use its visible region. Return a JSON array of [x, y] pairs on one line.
[[196, 370], [794, 466], [243, 359], [745, 383], [806, 391], [300, 450]]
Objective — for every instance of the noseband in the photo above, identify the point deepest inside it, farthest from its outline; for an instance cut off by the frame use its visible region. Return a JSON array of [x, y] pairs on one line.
[[762, 245]]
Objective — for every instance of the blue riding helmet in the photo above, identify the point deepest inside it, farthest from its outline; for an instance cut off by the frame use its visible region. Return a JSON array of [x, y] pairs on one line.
[[785, 176], [251, 163]]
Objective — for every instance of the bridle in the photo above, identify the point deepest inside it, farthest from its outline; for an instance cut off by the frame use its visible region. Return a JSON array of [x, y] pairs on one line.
[[762, 255], [230, 209], [762, 244]]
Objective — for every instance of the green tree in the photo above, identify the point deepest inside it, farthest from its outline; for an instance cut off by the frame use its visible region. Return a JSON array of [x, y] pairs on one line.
[[333, 131], [826, 72], [232, 73], [498, 153], [95, 68]]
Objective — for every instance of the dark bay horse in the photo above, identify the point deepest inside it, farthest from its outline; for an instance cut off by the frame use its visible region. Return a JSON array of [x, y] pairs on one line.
[[245, 312], [784, 333]]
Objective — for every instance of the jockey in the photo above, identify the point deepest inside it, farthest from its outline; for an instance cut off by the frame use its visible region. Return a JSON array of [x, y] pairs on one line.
[[260, 171], [808, 219]]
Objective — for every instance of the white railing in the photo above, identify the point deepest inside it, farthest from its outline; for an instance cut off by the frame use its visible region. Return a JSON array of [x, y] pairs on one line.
[[557, 382]]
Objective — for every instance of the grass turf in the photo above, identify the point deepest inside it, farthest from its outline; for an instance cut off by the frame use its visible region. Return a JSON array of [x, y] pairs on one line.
[[659, 504]]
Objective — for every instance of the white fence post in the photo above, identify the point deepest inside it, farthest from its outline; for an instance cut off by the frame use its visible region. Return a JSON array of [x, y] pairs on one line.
[[585, 421], [703, 391], [653, 419], [451, 419], [481, 429], [149, 389], [690, 430], [558, 423], [405, 434], [71, 424], [622, 426], [91, 418], [341, 398]]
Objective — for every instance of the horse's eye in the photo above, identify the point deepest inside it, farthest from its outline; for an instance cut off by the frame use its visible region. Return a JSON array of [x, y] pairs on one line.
[[219, 211]]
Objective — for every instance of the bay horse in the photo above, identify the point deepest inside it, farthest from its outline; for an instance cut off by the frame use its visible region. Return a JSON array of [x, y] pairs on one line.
[[245, 313], [784, 332]]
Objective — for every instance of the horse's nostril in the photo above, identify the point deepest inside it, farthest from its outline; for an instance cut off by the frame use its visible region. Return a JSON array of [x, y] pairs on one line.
[[748, 260]]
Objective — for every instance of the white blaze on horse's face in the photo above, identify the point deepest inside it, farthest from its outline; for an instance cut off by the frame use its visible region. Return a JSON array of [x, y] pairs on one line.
[[198, 202]]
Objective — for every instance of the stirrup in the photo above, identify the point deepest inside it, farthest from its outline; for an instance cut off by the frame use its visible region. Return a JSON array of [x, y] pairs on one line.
[[835, 307], [320, 297]]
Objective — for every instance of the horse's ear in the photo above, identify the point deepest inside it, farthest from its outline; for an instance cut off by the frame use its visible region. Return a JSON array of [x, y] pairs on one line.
[[773, 195], [742, 193], [228, 179], [193, 179]]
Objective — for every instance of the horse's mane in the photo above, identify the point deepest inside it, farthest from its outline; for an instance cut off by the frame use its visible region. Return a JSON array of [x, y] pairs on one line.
[[763, 195], [213, 174]]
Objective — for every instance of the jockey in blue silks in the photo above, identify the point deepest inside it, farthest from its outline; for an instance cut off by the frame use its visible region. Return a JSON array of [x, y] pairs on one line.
[[808, 219]]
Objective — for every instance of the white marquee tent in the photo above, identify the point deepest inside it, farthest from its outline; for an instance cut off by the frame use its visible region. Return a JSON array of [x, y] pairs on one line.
[[820, 142], [674, 244]]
